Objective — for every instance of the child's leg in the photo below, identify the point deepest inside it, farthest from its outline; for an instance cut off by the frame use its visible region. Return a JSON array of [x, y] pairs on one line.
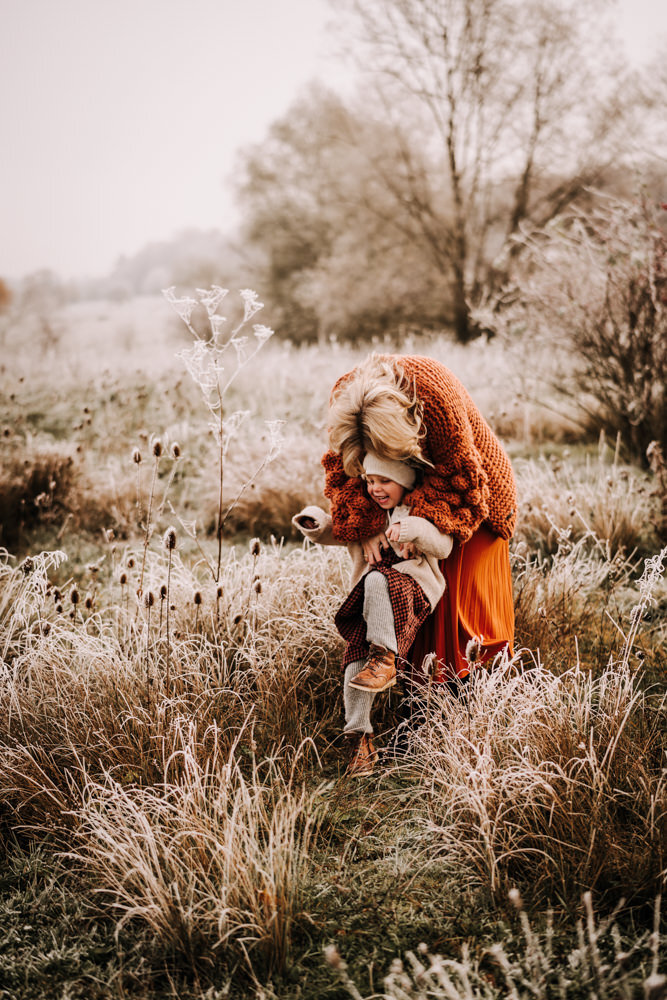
[[380, 631], [378, 612], [358, 704]]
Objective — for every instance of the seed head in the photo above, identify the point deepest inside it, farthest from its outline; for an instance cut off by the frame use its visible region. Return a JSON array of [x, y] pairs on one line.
[[218, 593], [93, 569], [74, 596], [332, 957], [197, 597], [136, 456], [255, 547], [149, 599], [88, 602], [257, 586], [46, 628], [474, 650], [169, 539], [27, 566], [123, 579], [157, 447], [130, 562], [429, 665], [57, 596], [175, 450], [163, 592], [237, 619], [59, 609], [515, 899]]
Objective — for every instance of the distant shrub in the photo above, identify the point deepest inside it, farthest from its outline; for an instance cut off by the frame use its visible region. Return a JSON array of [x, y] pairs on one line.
[[593, 286], [34, 486]]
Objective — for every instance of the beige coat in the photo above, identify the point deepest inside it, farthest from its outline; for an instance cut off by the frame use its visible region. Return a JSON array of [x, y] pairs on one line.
[[431, 544]]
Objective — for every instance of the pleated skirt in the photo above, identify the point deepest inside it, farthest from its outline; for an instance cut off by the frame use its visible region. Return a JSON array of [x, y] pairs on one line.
[[478, 603]]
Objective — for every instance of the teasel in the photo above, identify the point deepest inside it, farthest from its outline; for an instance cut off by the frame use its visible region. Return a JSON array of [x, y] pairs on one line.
[[163, 598], [474, 650], [149, 601], [197, 602], [169, 541], [75, 598], [148, 530], [218, 598]]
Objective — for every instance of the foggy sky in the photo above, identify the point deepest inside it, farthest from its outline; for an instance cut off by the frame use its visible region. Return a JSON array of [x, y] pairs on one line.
[[120, 119]]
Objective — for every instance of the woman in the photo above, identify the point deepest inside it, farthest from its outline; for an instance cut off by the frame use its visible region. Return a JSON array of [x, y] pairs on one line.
[[414, 409]]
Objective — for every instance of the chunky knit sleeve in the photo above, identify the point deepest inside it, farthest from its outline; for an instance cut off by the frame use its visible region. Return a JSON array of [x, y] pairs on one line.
[[457, 494], [353, 515]]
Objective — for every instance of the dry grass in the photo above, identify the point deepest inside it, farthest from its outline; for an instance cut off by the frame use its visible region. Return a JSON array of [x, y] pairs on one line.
[[176, 729], [213, 861], [601, 966], [556, 782], [86, 692], [610, 504]]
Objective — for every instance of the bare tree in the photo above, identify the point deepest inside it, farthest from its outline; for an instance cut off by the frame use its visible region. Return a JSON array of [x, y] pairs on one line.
[[321, 203], [503, 113]]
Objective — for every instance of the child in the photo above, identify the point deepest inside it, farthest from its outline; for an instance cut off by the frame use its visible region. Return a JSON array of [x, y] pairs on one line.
[[392, 594]]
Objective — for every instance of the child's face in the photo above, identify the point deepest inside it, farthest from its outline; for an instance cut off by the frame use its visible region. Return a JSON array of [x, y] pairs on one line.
[[385, 492]]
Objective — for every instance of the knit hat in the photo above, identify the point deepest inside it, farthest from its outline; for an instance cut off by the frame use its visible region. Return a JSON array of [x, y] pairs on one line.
[[389, 468]]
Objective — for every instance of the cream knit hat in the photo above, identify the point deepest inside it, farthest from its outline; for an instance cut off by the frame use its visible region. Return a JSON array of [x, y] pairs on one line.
[[399, 472]]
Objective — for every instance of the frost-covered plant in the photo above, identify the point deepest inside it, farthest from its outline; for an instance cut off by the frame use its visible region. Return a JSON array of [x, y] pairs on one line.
[[601, 966], [213, 364], [592, 285]]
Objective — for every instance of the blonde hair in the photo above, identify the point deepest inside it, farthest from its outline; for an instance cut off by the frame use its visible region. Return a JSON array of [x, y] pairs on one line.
[[373, 410]]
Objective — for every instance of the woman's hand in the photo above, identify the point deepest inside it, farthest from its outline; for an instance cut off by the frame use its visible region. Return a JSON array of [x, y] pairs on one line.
[[373, 546]]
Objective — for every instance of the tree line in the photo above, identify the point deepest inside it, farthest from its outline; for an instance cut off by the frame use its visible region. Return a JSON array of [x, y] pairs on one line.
[[475, 122]]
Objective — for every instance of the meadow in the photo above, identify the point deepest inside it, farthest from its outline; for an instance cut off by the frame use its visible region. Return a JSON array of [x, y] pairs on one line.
[[174, 817]]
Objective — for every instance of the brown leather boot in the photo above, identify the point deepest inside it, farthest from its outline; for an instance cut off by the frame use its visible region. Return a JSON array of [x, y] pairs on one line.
[[379, 673], [361, 755]]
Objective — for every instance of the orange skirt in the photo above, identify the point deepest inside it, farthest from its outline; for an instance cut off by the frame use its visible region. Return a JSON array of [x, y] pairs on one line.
[[478, 602]]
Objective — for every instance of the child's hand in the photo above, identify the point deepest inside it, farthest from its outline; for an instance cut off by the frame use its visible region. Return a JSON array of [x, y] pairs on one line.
[[394, 531]]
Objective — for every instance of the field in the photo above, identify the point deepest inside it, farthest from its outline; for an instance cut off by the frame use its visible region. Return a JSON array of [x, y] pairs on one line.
[[174, 818]]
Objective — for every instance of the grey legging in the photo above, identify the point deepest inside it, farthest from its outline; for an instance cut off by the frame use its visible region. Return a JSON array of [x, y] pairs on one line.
[[380, 631]]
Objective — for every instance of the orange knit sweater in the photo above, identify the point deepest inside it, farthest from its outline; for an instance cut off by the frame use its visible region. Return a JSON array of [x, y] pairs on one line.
[[472, 479]]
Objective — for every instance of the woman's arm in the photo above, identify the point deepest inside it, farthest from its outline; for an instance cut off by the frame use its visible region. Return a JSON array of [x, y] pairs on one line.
[[354, 516], [315, 525], [454, 494]]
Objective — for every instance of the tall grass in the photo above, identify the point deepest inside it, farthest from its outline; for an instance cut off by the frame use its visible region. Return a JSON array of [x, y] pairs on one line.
[[214, 860], [86, 695], [556, 782]]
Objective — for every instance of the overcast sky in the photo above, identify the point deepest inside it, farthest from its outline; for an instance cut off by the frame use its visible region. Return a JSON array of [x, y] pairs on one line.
[[120, 119]]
